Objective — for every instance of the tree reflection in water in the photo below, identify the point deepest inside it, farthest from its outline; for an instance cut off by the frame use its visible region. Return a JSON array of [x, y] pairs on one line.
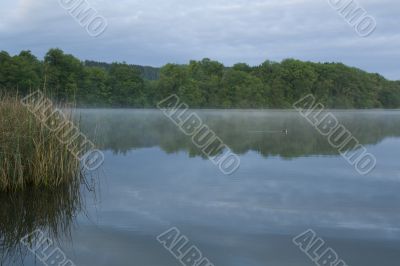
[[261, 131]]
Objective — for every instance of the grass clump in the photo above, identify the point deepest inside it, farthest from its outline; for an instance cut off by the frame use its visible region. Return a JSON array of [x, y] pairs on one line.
[[30, 154]]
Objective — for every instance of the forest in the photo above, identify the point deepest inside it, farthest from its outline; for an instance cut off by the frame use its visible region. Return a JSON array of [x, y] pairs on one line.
[[201, 84]]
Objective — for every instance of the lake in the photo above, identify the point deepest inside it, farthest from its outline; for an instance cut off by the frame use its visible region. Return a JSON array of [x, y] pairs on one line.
[[154, 178]]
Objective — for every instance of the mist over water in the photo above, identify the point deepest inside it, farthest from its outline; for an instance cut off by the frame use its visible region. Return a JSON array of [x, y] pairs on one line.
[[154, 178], [121, 130]]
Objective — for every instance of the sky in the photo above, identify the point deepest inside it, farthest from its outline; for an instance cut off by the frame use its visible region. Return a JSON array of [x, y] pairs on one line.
[[156, 32]]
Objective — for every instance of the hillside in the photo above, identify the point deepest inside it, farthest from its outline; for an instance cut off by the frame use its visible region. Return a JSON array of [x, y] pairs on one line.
[[203, 84]]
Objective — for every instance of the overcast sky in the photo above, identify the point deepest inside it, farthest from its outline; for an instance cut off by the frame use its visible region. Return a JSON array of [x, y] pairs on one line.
[[155, 32]]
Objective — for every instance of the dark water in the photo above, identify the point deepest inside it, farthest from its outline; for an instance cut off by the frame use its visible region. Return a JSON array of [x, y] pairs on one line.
[[154, 178]]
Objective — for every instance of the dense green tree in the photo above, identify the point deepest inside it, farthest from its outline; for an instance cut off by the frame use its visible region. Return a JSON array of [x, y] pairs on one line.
[[242, 90], [299, 78], [126, 85], [242, 67], [172, 77], [390, 97], [21, 73], [205, 83], [63, 75], [95, 90]]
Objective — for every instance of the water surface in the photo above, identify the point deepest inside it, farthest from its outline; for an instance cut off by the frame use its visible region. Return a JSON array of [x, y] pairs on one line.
[[154, 178]]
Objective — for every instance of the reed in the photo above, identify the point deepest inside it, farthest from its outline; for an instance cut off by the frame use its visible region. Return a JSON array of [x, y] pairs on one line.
[[30, 154]]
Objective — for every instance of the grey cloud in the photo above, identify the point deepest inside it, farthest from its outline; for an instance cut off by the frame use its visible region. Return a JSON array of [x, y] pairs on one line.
[[154, 32]]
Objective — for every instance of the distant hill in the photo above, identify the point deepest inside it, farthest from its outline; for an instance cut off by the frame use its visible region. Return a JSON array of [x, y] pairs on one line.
[[146, 72]]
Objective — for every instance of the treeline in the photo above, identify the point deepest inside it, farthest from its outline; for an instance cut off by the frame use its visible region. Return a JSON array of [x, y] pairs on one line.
[[204, 84], [146, 72]]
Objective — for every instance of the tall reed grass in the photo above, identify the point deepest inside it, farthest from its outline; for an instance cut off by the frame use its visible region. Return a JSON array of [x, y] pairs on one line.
[[30, 154]]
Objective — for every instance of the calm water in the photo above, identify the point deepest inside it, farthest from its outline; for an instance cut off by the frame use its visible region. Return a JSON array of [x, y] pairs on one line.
[[154, 178]]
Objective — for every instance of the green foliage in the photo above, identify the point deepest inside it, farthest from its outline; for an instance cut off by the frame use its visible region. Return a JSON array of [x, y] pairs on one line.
[[146, 72], [21, 72], [202, 84], [126, 86]]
